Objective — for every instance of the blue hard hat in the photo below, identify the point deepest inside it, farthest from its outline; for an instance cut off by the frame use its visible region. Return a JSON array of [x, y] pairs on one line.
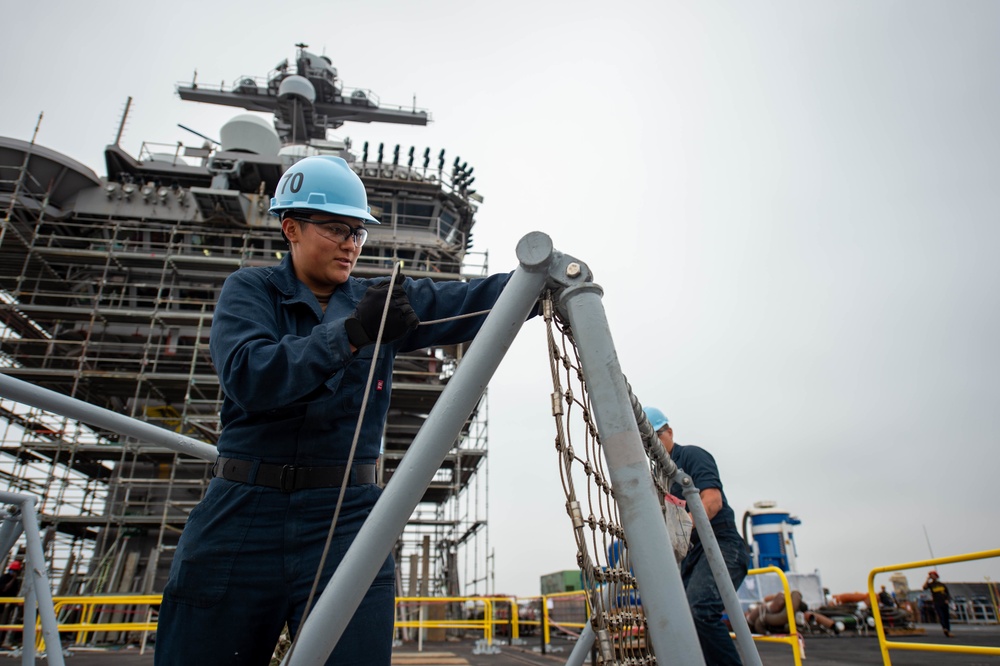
[[657, 419], [322, 183]]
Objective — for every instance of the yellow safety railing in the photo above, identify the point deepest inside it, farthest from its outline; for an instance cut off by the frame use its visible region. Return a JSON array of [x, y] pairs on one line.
[[512, 620], [485, 624], [547, 622], [792, 639], [96, 614], [885, 645], [88, 607]]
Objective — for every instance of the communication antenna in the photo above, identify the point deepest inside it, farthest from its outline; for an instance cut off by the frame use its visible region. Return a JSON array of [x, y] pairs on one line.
[[121, 125], [206, 138], [928, 541]]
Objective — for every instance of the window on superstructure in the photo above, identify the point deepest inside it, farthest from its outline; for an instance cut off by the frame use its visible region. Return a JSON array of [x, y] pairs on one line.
[[412, 213]]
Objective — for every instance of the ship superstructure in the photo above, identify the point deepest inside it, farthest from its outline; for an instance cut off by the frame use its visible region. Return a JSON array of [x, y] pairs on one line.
[[107, 287]]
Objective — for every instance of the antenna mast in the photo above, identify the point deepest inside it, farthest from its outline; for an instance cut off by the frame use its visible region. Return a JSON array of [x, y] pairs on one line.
[[121, 125]]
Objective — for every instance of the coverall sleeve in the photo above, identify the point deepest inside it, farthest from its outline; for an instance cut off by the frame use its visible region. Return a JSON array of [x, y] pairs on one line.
[[261, 367], [437, 300]]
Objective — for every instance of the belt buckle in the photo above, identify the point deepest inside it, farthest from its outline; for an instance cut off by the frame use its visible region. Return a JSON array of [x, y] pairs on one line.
[[286, 480]]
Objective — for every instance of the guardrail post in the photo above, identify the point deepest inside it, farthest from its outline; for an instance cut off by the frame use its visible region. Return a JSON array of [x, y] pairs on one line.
[[28, 636], [543, 622], [36, 579], [720, 572]]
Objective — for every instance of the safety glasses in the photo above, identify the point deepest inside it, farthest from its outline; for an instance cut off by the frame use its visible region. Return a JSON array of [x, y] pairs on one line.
[[336, 231]]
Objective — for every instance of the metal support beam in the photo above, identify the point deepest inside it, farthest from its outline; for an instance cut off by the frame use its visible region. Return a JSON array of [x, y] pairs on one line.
[[744, 640], [39, 593], [10, 530], [36, 396], [346, 588], [671, 628], [581, 651]]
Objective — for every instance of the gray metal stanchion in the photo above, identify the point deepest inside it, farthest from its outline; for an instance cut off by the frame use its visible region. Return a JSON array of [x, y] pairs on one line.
[[39, 593], [10, 530], [578, 657], [327, 621], [29, 619], [744, 640], [671, 628], [36, 396]]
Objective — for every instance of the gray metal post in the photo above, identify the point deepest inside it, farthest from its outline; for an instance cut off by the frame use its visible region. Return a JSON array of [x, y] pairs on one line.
[[581, 650], [29, 619], [36, 396], [37, 577], [744, 640], [10, 530], [335, 607], [671, 628]]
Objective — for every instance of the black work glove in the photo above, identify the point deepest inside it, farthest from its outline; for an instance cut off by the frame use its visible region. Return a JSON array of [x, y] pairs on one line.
[[362, 325]]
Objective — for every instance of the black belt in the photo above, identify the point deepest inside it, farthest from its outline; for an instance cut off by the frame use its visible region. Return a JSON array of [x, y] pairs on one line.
[[288, 478]]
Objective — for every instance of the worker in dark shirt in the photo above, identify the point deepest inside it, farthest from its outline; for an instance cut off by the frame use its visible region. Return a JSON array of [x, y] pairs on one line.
[[941, 599], [703, 595]]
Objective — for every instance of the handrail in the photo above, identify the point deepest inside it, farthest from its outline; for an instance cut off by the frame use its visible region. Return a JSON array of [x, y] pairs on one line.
[[547, 623], [486, 623], [885, 645], [89, 606], [793, 639]]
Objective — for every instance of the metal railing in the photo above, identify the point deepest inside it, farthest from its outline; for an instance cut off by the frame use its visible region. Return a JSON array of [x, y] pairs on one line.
[[793, 639], [545, 622], [86, 616], [885, 645], [422, 623]]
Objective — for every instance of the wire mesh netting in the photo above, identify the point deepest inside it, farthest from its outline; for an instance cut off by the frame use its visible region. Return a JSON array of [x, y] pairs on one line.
[[615, 606]]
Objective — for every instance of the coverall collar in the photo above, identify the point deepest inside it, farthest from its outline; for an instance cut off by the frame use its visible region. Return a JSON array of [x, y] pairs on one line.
[[283, 278]]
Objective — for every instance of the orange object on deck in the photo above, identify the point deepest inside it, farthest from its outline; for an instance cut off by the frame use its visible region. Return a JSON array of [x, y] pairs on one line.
[[850, 597]]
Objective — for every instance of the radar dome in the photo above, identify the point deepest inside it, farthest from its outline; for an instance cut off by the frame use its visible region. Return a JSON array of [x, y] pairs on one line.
[[247, 133], [297, 85]]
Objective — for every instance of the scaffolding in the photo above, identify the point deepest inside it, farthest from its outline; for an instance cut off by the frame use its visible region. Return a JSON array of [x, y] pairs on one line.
[[107, 288]]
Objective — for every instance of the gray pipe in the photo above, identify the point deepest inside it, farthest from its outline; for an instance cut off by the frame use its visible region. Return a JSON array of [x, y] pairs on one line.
[[671, 628], [578, 657], [346, 588], [744, 640], [36, 396], [37, 579]]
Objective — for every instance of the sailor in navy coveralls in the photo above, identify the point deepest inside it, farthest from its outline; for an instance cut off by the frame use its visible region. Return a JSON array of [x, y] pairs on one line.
[[292, 345]]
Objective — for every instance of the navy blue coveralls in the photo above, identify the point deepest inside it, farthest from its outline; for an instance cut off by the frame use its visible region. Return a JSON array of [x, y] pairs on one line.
[[293, 390], [702, 593]]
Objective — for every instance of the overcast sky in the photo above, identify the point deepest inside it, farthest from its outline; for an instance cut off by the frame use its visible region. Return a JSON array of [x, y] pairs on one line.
[[792, 209]]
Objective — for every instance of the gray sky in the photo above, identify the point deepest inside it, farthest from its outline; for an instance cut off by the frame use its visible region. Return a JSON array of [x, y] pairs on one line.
[[792, 209]]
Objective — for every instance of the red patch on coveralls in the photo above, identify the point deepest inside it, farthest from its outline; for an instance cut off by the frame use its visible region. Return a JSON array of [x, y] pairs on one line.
[[378, 385]]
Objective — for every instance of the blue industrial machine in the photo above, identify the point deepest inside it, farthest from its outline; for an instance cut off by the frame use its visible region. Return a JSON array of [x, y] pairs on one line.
[[772, 542]]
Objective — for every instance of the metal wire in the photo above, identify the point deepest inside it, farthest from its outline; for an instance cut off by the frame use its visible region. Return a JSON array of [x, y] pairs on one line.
[[461, 316]]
